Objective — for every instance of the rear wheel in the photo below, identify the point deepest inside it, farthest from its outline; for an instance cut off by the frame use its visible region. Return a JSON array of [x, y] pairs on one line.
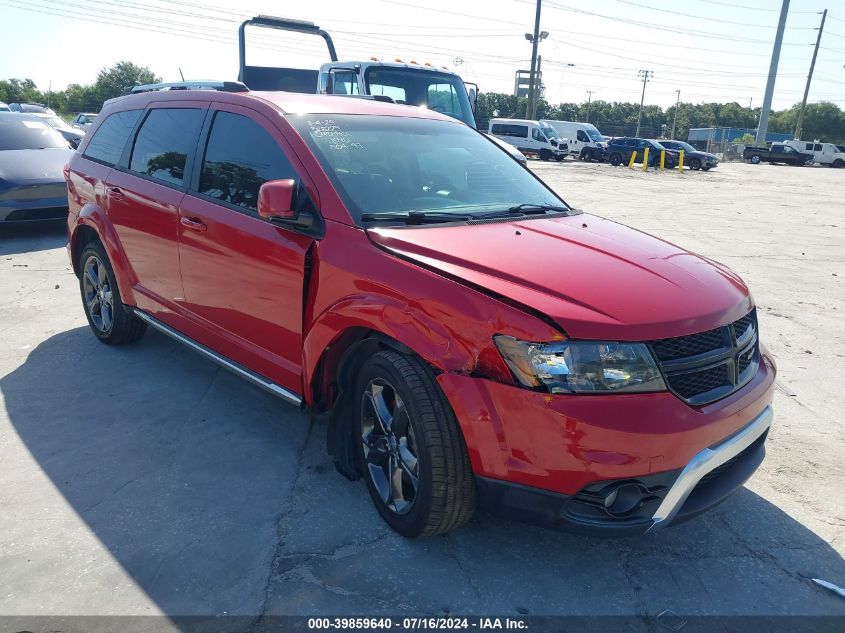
[[110, 320], [560, 157], [615, 159], [755, 160], [413, 455]]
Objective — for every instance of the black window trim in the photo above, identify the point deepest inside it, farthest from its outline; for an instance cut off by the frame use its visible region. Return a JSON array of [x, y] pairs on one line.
[[123, 165]]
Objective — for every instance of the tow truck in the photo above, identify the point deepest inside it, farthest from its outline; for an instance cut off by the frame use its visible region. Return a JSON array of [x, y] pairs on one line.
[[401, 82]]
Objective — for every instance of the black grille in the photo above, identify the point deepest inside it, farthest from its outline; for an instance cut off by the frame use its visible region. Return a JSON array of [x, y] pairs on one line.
[[682, 346], [706, 366], [697, 382]]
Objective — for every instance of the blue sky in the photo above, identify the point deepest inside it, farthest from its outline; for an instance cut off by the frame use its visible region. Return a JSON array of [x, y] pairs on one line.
[[710, 50]]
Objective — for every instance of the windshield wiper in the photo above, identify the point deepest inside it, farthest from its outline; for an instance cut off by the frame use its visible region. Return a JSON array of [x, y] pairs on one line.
[[415, 217], [528, 207]]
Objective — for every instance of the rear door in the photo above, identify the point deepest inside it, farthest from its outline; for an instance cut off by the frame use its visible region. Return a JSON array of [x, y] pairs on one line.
[[144, 193], [243, 277]]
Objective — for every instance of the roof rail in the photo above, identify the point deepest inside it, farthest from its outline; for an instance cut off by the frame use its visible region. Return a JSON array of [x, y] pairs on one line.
[[222, 86]]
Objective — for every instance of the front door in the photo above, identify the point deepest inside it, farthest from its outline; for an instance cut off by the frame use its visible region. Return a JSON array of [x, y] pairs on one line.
[[243, 277]]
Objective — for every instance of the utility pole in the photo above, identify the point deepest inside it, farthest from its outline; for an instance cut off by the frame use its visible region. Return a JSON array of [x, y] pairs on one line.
[[537, 88], [675, 118], [589, 99], [535, 40], [809, 79], [763, 127], [645, 74]]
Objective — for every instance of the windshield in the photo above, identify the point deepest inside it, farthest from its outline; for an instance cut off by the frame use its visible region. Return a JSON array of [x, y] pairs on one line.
[[58, 123], [595, 135], [549, 130], [656, 144], [436, 91], [399, 164], [18, 132]]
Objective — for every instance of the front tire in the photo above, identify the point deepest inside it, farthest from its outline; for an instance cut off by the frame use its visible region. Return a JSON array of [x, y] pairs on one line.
[[545, 154], [586, 155], [695, 164], [411, 450], [110, 320]]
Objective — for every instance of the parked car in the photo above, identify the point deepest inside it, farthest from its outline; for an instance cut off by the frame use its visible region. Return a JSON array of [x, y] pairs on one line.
[[83, 120], [32, 155], [823, 153], [71, 135], [841, 148], [510, 149], [619, 151], [692, 157], [530, 137], [30, 108], [584, 139], [779, 153], [473, 338], [4, 107]]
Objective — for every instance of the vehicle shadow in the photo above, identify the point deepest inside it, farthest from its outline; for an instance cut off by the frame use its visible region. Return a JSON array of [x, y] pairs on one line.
[[215, 498], [27, 238]]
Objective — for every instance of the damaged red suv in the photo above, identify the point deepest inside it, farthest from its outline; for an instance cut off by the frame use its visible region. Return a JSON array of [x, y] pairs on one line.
[[475, 340]]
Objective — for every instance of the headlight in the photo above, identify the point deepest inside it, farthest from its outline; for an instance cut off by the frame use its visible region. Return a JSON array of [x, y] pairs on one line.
[[581, 366]]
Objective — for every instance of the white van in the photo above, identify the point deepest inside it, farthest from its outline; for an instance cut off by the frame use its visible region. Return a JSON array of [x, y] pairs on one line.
[[585, 141], [530, 137], [823, 153]]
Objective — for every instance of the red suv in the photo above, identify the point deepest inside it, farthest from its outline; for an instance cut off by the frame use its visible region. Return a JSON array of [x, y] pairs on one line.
[[475, 339]]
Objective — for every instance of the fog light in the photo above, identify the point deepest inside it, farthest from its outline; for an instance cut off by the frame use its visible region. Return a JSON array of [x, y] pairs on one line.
[[609, 499], [624, 500]]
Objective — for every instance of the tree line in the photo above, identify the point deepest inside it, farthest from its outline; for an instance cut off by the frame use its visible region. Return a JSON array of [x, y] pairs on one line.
[[824, 121]]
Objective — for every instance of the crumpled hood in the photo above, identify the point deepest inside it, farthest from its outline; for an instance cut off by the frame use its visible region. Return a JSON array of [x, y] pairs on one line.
[[597, 279], [33, 165]]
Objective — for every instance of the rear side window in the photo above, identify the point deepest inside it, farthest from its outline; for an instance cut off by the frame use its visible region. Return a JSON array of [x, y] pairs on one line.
[[110, 138], [505, 129], [164, 141], [239, 158]]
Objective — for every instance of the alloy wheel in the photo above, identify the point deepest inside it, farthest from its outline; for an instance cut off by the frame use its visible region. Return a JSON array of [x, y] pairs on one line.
[[97, 293], [390, 449]]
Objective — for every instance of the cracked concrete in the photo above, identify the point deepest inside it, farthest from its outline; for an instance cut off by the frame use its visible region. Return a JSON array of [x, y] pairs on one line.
[[143, 480]]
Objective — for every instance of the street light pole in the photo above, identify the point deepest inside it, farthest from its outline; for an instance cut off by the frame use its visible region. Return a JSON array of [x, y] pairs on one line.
[[645, 74], [763, 127], [589, 99], [535, 40], [675, 118], [809, 79]]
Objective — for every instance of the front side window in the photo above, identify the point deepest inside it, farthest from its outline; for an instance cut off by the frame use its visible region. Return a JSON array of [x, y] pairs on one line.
[[444, 167], [537, 135], [582, 136], [110, 138], [345, 83], [166, 138], [239, 158]]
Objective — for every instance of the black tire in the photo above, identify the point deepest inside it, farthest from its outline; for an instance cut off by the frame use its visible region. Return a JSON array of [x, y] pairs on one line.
[[425, 443], [839, 163], [755, 160], [110, 320], [545, 154], [615, 159], [587, 155], [695, 164], [560, 158]]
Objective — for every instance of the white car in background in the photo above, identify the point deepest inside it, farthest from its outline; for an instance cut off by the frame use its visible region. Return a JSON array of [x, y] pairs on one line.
[[83, 120], [823, 153], [530, 137]]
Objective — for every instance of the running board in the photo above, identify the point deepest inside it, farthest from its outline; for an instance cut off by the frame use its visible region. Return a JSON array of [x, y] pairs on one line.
[[237, 368]]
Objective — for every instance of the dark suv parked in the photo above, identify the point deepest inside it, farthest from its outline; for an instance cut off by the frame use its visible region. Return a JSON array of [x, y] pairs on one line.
[[619, 151]]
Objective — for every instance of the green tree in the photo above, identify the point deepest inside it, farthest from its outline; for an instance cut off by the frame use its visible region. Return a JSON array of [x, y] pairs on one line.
[[111, 82]]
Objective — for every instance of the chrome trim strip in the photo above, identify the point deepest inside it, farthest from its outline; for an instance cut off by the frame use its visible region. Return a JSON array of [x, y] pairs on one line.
[[231, 365], [707, 460]]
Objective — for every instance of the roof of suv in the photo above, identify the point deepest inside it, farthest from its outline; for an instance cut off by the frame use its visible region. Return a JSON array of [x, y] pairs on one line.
[[287, 102]]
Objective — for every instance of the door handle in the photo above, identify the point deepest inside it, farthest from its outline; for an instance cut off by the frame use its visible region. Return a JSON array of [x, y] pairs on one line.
[[193, 224], [116, 193]]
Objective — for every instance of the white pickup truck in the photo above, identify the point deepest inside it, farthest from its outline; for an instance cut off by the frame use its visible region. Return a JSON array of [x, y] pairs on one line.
[[823, 153]]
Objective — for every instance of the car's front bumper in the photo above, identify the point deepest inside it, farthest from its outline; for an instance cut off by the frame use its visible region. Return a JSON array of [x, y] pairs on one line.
[[33, 203], [556, 460]]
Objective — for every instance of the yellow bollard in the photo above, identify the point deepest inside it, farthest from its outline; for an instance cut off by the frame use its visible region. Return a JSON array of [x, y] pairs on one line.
[[631, 162], [681, 162], [645, 159], [662, 159]]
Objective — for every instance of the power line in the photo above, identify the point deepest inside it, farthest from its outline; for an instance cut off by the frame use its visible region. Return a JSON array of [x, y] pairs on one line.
[[701, 17]]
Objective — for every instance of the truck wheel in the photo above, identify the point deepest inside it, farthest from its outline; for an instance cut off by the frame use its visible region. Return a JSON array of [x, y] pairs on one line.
[[586, 155], [695, 164], [560, 157], [110, 320], [411, 449], [615, 159], [755, 160], [839, 163], [545, 154]]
